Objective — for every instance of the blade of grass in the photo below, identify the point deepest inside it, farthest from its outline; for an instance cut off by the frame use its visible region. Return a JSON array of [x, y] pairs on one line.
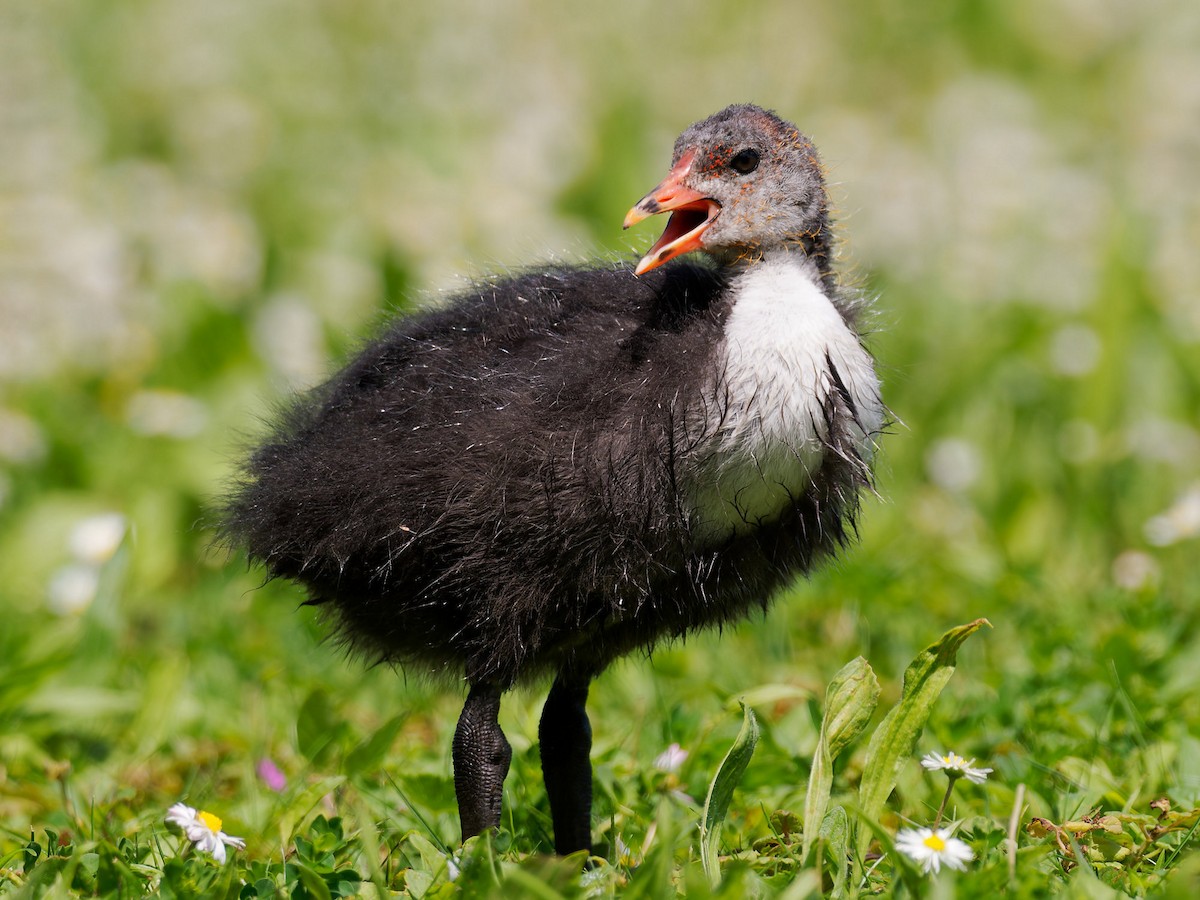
[[433, 835]]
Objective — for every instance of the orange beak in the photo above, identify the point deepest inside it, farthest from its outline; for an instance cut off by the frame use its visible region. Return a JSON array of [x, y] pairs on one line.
[[691, 214]]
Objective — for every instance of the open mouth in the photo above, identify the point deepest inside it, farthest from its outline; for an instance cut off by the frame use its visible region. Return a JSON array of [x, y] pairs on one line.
[[683, 230], [691, 214], [689, 220]]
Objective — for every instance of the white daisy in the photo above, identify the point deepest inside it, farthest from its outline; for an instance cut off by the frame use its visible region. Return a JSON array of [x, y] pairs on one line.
[[955, 766], [671, 759], [931, 847], [204, 830], [96, 539]]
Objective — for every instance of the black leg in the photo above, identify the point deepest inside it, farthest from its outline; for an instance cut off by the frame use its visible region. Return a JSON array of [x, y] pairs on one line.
[[481, 758], [565, 736]]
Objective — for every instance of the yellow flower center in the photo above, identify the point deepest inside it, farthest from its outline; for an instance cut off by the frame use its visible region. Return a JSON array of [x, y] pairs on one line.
[[933, 842], [214, 824]]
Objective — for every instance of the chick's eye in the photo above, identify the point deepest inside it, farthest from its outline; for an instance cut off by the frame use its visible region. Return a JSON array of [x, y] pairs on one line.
[[744, 161]]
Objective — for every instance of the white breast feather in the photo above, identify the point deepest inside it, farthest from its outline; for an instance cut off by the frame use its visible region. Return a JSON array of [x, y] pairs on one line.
[[765, 435]]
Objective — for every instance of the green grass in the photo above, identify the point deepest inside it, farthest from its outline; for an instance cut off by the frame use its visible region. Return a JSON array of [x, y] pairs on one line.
[[261, 170]]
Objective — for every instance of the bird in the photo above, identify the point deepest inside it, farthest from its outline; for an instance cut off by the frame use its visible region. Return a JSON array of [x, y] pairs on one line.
[[566, 465]]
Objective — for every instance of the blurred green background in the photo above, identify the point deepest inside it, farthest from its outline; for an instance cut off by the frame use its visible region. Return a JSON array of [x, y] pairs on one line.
[[205, 206]]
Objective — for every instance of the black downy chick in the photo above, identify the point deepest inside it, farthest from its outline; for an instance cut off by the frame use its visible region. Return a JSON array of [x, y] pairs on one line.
[[560, 468]]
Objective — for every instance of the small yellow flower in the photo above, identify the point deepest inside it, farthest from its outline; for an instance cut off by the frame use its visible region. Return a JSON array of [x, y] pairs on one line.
[[204, 830], [625, 855], [933, 847]]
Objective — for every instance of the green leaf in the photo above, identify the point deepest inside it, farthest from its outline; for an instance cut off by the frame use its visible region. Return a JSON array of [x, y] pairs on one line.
[[304, 848], [344, 883], [417, 882], [433, 860], [316, 725], [526, 884], [850, 702], [835, 834], [480, 871], [33, 851], [312, 883], [896, 737], [368, 756], [720, 793], [263, 887]]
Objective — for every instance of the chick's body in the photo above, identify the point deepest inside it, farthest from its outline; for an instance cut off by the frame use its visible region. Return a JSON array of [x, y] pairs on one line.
[[561, 467]]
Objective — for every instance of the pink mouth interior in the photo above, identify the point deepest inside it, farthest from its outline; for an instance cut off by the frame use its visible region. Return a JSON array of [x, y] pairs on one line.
[[686, 221]]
